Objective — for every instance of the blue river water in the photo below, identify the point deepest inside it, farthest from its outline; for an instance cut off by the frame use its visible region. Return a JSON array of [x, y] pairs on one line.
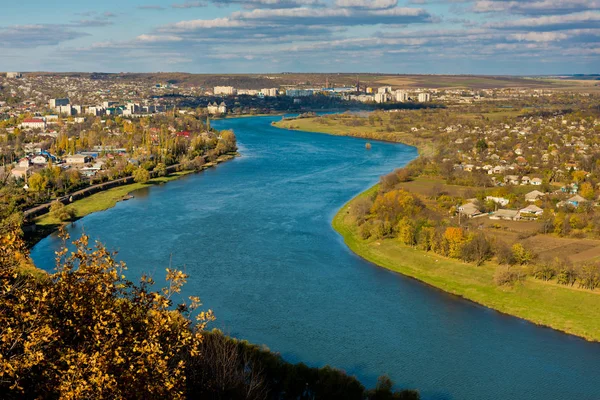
[[255, 236]]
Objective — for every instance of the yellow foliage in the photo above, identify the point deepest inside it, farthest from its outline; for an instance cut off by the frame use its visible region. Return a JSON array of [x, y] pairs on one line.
[[88, 333]]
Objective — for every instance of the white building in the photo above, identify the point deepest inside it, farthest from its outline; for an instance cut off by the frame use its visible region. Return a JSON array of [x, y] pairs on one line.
[[382, 97], [54, 103], [13, 75], [214, 108], [272, 92], [95, 111], [384, 89], [401, 96], [249, 92], [65, 110], [224, 90], [424, 97], [34, 123], [108, 104]]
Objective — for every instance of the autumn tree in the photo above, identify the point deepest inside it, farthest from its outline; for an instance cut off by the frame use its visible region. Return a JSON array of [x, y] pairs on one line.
[[455, 238], [478, 249], [141, 175], [59, 211], [87, 332], [160, 169]]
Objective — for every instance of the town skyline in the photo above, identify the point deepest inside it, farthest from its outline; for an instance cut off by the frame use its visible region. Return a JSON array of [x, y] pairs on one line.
[[481, 37]]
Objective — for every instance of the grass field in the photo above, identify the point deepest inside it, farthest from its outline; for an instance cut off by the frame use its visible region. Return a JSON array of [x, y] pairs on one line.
[[566, 309], [425, 147]]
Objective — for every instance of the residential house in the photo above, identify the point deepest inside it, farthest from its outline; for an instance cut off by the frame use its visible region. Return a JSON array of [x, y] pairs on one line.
[[576, 200], [21, 172], [525, 180], [40, 159], [534, 195], [511, 179], [469, 210], [531, 211], [536, 181], [508, 215], [78, 159], [498, 200]]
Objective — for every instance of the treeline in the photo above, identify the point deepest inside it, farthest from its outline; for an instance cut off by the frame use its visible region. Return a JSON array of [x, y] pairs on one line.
[[54, 181], [87, 332], [393, 212]]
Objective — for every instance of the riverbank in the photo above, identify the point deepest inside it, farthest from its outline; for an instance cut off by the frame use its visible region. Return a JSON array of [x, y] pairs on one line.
[[565, 309], [46, 224], [315, 124]]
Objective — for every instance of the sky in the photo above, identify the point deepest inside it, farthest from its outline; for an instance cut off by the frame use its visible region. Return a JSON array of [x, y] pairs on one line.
[[488, 37]]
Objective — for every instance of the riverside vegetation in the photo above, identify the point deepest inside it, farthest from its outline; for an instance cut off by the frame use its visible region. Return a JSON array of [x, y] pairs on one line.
[[413, 223], [85, 331]]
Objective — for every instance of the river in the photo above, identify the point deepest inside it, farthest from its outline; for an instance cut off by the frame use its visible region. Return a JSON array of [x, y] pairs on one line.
[[255, 236]]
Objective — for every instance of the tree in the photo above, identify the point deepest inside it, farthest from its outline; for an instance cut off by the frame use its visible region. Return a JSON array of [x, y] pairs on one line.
[[522, 255], [160, 169], [477, 250], [60, 212], [141, 175], [456, 239], [37, 183], [86, 332], [587, 191], [426, 237], [406, 232]]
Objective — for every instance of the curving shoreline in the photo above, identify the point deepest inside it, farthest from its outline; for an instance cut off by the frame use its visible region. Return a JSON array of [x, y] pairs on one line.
[[44, 224], [550, 305]]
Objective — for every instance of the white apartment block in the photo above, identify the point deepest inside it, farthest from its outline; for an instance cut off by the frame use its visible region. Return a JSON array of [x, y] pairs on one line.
[[382, 97], [224, 90], [54, 103], [272, 92], [34, 123], [384, 89], [401, 96], [424, 97], [13, 75], [65, 110]]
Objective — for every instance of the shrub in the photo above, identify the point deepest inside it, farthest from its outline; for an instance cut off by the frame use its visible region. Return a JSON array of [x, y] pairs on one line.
[[522, 255], [160, 169], [59, 211], [507, 276], [141, 175]]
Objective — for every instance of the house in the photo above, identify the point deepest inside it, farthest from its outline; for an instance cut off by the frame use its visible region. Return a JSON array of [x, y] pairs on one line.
[[468, 167], [525, 180], [576, 200], [499, 169], [469, 210], [214, 108], [78, 159], [536, 182], [20, 172], [24, 162], [534, 195], [498, 200], [531, 211], [40, 159], [509, 215], [511, 179]]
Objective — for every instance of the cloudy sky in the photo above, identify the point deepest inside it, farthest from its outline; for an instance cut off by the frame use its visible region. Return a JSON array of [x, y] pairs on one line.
[[524, 37]]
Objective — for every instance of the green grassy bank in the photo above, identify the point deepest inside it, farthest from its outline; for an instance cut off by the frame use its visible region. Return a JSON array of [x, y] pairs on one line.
[[317, 125], [107, 199], [566, 309], [46, 224]]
